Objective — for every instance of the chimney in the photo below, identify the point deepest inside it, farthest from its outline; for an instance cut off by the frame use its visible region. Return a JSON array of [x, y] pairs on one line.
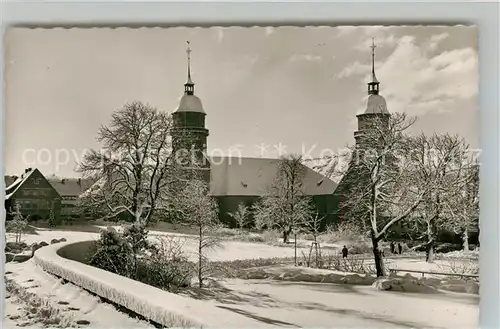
[[79, 182], [15, 178], [26, 170]]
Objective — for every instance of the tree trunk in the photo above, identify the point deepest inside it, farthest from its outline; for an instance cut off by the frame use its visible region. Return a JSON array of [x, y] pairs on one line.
[[295, 249], [465, 240], [200, 257], [429, 246], [429, 251], [286, 235], [379, 259]]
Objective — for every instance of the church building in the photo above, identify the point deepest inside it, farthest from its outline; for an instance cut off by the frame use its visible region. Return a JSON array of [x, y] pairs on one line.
[[235, 180]]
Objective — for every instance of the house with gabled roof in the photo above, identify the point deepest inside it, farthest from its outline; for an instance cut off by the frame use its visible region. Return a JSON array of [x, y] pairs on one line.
[[69, 189], [34, 195]]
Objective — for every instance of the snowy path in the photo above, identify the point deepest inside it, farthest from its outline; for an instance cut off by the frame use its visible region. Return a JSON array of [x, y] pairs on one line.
[[73, 302], [288, 304]]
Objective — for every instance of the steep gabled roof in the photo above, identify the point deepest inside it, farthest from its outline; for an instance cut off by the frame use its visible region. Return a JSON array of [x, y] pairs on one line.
[[234, 176], [14, 186], [70, 187]]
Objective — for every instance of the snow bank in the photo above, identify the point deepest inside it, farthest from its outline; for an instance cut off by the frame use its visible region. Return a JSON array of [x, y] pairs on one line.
[[406, 283], [154, 304], [302, 274]]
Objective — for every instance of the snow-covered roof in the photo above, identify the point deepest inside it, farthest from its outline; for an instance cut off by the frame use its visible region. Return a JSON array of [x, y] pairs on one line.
[[190, 103], [234, 176], [12, 188], [376, 104], [70, 186]]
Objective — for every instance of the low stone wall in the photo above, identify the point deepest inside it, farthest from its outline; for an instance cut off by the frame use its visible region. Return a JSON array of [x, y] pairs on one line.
[[154, 304], [77, 251]]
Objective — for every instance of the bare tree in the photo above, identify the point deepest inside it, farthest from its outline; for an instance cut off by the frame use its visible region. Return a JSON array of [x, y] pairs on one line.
[[18, 223], [382, 188], [135, 168], [437, 159], [241, 215], [285, 207], [198, 209], [462, 209], [312, 225]]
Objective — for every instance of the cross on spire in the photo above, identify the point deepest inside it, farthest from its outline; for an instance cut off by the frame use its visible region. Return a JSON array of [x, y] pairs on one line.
[[373, 85], [373, 46], [189, 85]]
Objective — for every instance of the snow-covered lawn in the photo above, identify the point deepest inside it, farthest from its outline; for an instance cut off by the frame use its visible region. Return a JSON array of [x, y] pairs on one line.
[[286, 304], [229, 250]]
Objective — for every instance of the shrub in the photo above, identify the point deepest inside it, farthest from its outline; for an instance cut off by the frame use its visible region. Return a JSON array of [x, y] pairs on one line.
[[360, 247], [130, 254], [231, 268], [112, 253], [167, 267], [349, 264], [270, 236], [241, 215], [458, 268], [346, 231]]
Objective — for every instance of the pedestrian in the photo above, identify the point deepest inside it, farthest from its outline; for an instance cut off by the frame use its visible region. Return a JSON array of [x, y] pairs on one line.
[[393, 248], [400, 249], [344, 252]]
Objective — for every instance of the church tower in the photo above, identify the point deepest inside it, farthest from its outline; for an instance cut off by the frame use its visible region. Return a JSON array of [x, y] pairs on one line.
[[189, 136], [376, 115]]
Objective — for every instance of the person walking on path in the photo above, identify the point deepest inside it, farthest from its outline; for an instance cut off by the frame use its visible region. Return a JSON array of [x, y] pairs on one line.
[[344, 252], [400, 249]]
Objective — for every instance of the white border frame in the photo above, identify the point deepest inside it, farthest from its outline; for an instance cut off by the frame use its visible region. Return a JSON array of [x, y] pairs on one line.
[[206, 13]]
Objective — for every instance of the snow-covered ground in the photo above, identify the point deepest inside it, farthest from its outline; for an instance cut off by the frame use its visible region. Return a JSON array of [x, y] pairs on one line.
[[293, 304], [266, 303], [73, 303], [229, 250]]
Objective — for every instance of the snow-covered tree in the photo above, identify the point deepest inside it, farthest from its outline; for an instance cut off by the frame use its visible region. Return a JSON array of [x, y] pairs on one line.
[[285, 207], [135, 169], [438, 159], [53, 220], [462, 209], [198, 209], [18, 223], [241, 215], [382, 187], [312, 224]]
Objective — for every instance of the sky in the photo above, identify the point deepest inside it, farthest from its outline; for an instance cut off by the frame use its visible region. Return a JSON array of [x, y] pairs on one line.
[[266, 90]]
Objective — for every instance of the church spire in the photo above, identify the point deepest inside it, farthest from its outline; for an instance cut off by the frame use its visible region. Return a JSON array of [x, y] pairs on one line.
[[373, 85], [189, 85]]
